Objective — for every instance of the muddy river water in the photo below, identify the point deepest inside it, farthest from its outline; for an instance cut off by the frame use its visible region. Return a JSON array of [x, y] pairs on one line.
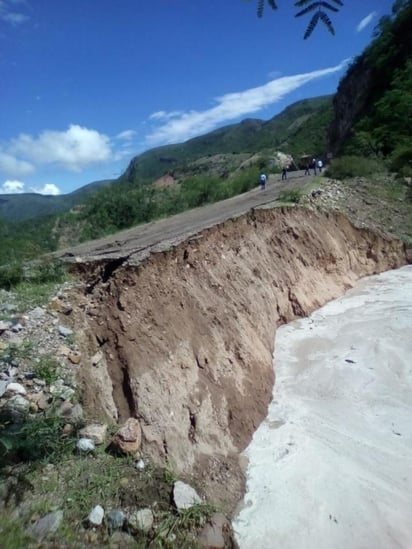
[[331, 466]]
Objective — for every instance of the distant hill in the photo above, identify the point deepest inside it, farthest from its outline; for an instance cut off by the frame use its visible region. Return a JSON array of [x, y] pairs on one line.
[[19, 207], [299, 129]]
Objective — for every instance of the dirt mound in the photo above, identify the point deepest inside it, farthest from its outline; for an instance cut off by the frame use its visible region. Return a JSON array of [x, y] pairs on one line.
[[188, 333]]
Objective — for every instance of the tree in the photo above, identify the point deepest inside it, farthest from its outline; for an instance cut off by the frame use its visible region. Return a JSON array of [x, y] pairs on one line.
[[318, 9]]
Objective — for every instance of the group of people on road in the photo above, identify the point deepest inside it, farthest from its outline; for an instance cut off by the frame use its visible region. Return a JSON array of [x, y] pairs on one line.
[[314, 165]]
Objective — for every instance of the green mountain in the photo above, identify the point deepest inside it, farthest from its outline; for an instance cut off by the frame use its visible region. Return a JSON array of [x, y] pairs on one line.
[[297, 130], [373, 103], [19, 207]]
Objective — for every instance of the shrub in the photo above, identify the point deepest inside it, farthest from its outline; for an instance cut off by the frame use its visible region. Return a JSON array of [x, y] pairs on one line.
[[37, 438], [294, 196], [401, 160], [353, 166], [11, 275], [47, 369]]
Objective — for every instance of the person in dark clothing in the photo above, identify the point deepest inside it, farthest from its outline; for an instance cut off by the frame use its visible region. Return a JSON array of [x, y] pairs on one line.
[[307, 170], [284, 173]]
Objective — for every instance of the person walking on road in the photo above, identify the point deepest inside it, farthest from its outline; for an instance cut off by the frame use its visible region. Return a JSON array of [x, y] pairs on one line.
[[262, 180], [307, 170], [314, 166], [320, 165], [284, 173]]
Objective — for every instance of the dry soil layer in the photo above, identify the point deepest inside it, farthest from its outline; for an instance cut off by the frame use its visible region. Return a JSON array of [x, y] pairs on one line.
[[187, 334]]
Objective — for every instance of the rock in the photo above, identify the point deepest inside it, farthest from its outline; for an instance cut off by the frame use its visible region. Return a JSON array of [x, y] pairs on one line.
[[17, 406], [58, 305], [97, 358], [63, 350], [46, 525], [96, 516], [16, 388], [141, 520], [62, 391], [74, 357], [67, 429], [129, 438], [185, 496], [3, 385], [95, 431], [85, 445], [37, 313], [42, 402], [140, 465], [115, 519], [5, 325], [3, 345], [64, 331], [212, 535], [122, 540], [76, 413]]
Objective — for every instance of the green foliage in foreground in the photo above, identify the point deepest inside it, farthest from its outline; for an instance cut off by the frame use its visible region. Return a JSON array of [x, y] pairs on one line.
[[35, 439], [35, 274], [293, 196], [353, 166], [125, 205]]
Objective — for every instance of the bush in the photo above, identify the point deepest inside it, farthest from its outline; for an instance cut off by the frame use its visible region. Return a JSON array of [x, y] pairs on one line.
[[11, 275], [401, 160], [45, 271], [293, 196], [37, 438], [353, 166]]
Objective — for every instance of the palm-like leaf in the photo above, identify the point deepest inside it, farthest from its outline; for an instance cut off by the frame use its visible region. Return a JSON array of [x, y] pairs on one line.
[[314, 6], [308, 6], [327, 22], [261, 6], [312, 24]]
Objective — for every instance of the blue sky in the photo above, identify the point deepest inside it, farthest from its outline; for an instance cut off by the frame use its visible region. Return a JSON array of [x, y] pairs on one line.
[[88, 84]]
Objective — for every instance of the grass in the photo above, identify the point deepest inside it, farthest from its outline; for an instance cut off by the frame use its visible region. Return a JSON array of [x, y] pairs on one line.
[[37, 439], [292, 196], [32, 283], [17, 352], [183, 524], [75, 484], [47, 369], [12, 534]]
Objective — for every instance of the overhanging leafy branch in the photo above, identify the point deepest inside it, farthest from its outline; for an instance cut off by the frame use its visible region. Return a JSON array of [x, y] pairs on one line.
[[319, 8]]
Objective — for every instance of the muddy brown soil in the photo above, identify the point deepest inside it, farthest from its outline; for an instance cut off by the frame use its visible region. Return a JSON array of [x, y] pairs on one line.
[[187, 333]]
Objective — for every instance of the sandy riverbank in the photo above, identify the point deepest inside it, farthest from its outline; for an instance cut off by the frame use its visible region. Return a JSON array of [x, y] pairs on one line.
[[331, 464]]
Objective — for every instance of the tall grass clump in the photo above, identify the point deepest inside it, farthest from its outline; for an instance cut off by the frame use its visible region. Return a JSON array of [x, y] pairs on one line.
[[353, 166]]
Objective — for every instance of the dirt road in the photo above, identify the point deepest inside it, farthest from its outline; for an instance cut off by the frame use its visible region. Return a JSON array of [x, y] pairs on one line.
[[137, 243]]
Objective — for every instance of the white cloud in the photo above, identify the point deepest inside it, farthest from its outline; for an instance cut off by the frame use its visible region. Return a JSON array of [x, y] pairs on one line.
[[74, 149], [10, 165], [179, 127], [12, 187], [48, 188], [8, 14], [366, 21], [126, 135], [163, 115]]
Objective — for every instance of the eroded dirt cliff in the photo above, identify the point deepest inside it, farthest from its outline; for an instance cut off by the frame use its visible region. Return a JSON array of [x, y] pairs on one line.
[[187, 334]]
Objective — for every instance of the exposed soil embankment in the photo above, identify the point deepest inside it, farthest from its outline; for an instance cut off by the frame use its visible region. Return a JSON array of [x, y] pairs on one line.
[[188, 334]]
